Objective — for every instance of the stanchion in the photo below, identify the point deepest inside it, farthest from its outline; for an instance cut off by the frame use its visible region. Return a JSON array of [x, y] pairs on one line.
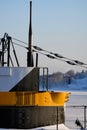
[[57, 118]]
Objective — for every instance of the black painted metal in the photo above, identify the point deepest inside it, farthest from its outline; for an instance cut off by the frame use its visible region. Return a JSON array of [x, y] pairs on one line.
[[29, 116]]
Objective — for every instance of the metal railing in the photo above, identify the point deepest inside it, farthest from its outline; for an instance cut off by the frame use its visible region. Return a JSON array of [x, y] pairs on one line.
[[43, 78], [76, 117]]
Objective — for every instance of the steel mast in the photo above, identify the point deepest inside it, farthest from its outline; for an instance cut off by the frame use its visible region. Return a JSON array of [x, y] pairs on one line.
[[29, 53]]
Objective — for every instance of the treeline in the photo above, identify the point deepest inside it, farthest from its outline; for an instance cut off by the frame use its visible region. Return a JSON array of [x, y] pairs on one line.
[[68, 76]]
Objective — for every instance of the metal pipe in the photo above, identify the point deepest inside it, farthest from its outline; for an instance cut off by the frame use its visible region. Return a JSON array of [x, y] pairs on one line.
[[36, 59], [57, 118], [2, 40], [84, 117], [29, 53], [8, 57]]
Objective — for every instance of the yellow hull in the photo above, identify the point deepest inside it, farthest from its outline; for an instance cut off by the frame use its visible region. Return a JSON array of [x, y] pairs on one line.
[[33, 98]]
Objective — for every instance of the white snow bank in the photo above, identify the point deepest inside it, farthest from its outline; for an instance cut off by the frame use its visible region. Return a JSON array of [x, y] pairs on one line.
[[52, 127]]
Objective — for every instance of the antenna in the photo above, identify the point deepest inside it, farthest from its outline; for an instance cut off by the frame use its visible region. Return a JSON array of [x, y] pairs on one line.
[[29, 53]]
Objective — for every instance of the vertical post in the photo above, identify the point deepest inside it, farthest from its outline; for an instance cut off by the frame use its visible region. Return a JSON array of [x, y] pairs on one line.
[[57, 118], [0, 58], [36, 59], [8, 57], [43, 79], [47, 80], [84, 117], [29, 53], [2, 40]]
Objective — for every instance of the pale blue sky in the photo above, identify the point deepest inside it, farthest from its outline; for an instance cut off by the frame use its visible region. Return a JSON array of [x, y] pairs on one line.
[[58, 25]]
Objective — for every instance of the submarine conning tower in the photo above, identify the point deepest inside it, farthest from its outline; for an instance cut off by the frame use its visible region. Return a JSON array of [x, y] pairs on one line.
[[25, 101]]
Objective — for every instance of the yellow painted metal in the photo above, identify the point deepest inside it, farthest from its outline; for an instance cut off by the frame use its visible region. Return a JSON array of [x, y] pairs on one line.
[[33, 98], [51, 98], [7, 98]]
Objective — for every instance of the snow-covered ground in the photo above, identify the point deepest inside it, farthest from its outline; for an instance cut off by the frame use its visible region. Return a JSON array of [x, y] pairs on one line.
[[53, 127]]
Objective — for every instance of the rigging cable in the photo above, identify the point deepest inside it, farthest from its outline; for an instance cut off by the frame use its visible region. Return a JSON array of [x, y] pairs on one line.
[[52, 55]]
